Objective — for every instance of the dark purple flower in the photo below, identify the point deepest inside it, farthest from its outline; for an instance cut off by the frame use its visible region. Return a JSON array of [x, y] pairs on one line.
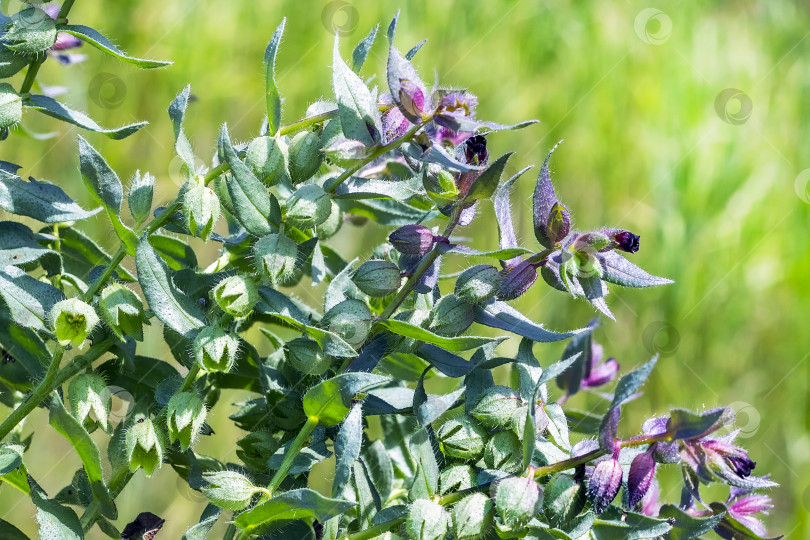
[[411, 98], [719, 460], [742, 505], [517, 280], [412, 239], [640, 477], [622, 240], [475, 150], [600, 373], [605, 481]]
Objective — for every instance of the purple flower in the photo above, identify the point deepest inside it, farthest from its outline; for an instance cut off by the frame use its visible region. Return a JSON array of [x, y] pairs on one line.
[[459, 104], [599, 373], [411, 98], [622, 240], [605, 481], [719, 460], [664, 451], [517, 280], [394, 124], [742, 505], [64, 41], [650, 506], [640, 477]]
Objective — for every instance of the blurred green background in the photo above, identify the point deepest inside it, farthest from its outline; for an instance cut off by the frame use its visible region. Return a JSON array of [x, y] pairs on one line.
[[711, 179]]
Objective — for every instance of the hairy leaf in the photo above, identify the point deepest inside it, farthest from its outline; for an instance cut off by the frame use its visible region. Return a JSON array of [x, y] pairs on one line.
[[51, 107], [40, 200], [94, 38], [329, 401], [359, 116], [293, 504], [461, 343], [272, 94]]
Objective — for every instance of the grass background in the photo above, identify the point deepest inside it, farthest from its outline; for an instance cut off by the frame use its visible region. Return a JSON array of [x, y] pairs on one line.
[[717, 195]]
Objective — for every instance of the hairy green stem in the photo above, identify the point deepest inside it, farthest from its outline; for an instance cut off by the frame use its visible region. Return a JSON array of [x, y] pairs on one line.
[[291, 454], [376, 530], [118, 481], [191, 376], [33, 67]]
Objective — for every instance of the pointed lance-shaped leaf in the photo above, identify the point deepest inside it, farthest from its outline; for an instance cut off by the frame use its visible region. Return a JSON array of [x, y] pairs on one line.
[[503, 213], [487, 182], [357, 109], [99, 177], [177, 113], [392, 28], [273, 96], [361, 50], [50, 107], [616, 269], [94, 38], [407, 89], [543, 201]]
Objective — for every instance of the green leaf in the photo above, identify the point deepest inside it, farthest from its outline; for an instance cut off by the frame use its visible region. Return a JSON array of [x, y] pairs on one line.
[[347, 447], [360, 52], [294, 504], [175, 309], [99, 177], [177, 113], [11, 457], [271, 88], [428, 408], [357, 188], [88, 452], [426, 482], [485, 185], [55, 521], [10, 532], [686, 526], [80, 254], [616, 269], [329, 401], [461, 343], [357, 109], [500, 254], [684, 424], [28, 299], [40, 200], [617, 525], [27, 349], [49, 106], [20, 245], [177, 253], [251, 202], [200, 531], [630, 383], [94, 38], [500, 315], [380, 468]]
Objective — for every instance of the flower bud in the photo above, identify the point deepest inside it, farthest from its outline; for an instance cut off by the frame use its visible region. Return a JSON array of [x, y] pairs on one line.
[[10, 106], [275, 256], [541, 420], [185, 415], [88, 393], [30, 32], [517, 280], [559, 223], [141, 192], [377, 278], [306, 355], [411, 99], [350, 319], [412, 239], [478, 283], [228, 489], [590, 242], [122, 311], [451, 316], [604, 484], [622, 240], [504, 452], [517, 500], [563, 499], [496, 406], [462, 438], [475, 150], [308, 206], [305, 156], [267, 158], [200, 208], [640, 477], [72, 321], [427, 520], [10, 62], [144, 446], [456, 478], [333, 223], [236, 295], [472, 517], [215, 349]]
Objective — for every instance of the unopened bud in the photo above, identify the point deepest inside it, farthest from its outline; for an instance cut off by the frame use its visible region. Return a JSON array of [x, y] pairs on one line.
[[30, 32], [331, 226], [141, 191], [411, 99], [185, 415], [427, 520], [504, 452], [200, 208], [457, 477], [412, 239], [472, 517], [462, 438], [306, 355], [377, 278], [88, 393], [640, 477], [10, 106], [267, 158], [144, 446], [559, 223], [308, 206], [228, 489], [517, 280], [517, 500], [72, 321], [350, 319], [623, 240], [275, 256], [236, 295], [478, 283], [496, 406], [604, 484], [563, 499], [305, 156], [122, 311], [451, 316], [590, 242], [215, 349]]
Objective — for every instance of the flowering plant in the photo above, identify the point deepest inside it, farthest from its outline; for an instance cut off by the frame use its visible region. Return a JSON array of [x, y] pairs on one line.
[[482, 459]]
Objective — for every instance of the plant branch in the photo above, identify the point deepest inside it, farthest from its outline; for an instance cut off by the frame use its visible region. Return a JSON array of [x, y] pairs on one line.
[[33, 67], [291, 454]]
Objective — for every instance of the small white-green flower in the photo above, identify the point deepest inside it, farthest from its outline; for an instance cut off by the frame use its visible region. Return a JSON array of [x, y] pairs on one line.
[[72, 321]]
